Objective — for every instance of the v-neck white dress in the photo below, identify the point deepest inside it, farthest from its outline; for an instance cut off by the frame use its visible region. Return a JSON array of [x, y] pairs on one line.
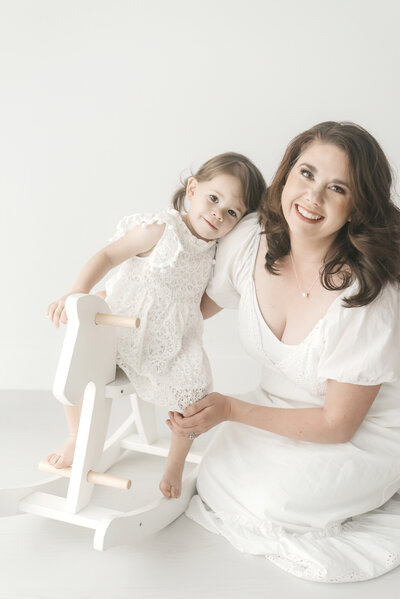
[[324, 512]]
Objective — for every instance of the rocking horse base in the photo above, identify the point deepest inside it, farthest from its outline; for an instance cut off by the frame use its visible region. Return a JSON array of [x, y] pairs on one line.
[[113, 527]]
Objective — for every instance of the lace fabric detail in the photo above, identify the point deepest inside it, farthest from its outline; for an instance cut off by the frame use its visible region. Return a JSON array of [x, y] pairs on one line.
[[312, 554], [164, 358], [308, 570]]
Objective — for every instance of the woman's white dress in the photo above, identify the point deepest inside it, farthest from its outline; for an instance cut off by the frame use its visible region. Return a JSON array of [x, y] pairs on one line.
[[164, 358], [324, 512]]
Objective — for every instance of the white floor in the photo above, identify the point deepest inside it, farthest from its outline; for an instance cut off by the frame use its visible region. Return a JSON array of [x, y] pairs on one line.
[[44, 559]]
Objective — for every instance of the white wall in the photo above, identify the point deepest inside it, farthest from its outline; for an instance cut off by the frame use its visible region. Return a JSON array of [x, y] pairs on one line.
[[105, 103]]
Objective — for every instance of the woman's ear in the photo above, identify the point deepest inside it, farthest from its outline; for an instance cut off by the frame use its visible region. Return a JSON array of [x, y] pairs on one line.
[[191, 187]]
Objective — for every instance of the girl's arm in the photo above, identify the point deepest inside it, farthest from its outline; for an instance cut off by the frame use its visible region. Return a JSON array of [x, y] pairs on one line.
[[139, 240], [208, 307], [345, 408]]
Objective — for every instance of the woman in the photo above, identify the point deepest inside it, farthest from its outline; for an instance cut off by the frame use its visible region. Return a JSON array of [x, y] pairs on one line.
[[301, 465]]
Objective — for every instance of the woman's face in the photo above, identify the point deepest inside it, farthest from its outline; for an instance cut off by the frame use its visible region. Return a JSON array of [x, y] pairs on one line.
[[316, 198]]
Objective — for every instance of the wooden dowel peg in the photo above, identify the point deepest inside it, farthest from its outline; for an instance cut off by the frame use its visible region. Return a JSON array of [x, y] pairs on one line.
[[116, 320], [98, 478]]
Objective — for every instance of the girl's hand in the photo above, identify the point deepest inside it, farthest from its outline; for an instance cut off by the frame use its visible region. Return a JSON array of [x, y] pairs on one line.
[[56, 311], [201, 416], [102, 294]]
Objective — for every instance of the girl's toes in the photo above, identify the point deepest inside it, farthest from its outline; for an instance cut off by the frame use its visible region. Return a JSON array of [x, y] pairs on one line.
[[165, 489], [54, 459], [175, 492]]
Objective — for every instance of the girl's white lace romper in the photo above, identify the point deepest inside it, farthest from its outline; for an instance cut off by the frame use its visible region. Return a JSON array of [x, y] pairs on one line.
[[164, 358], [324, 512]]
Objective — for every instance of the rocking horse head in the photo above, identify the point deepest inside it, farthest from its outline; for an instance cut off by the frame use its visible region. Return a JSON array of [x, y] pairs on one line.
[[88, 352]]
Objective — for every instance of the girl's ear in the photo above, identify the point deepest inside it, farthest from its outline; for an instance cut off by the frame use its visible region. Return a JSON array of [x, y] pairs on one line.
[[191, 187]]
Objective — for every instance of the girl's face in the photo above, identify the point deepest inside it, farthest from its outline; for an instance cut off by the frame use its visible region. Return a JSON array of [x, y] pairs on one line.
[[316, 198], [216, 206]]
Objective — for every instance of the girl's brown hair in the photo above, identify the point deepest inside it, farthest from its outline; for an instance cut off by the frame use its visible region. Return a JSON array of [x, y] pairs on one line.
[[251, 180], [368, 247]]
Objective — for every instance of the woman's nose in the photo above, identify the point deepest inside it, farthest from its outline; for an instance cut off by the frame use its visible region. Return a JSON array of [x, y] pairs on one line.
[[315, 197]]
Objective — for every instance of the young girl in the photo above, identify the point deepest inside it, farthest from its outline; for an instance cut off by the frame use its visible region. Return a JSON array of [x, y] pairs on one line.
[[166, 264]]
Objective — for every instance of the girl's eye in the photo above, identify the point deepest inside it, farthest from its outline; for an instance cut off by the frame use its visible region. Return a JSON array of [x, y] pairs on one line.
[[306, 173], [213, 198], [232, 213], [338, 189]]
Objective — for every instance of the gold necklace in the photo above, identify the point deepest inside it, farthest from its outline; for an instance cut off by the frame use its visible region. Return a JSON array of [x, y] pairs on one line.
[[306, 293]]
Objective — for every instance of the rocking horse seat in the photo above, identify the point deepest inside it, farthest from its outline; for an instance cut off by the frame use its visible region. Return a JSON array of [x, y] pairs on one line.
[[120, 386]]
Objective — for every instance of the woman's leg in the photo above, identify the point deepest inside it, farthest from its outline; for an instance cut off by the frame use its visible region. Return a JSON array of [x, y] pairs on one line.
[[63, 457], [171, 482]]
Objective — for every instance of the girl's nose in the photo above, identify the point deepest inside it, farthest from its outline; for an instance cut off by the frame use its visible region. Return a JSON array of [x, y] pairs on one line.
[[217, 213]]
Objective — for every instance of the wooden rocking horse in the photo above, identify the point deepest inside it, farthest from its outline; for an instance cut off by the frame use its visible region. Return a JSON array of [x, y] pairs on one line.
[[87, 367]]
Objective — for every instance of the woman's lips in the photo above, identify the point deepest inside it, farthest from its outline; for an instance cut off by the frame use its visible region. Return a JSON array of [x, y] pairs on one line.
[[308, 215]]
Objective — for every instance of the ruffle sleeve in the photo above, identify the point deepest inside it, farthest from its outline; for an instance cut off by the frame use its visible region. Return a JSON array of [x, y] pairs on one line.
[[362, 345], [133, 220], [171, 246], [233, 265]]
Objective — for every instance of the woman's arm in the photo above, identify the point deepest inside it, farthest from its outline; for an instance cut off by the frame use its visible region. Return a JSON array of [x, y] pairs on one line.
[[139, 240], [208, 307], [344, 410]]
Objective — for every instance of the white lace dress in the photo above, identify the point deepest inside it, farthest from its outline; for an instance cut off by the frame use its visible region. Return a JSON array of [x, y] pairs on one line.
[[323, 512], [164, 357]]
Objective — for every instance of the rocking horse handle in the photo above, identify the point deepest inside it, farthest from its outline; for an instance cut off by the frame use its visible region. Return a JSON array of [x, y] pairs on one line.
[[98, 478], [115, 320]]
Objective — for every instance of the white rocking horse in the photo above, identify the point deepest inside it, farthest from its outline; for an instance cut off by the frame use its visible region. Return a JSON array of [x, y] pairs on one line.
[[87, 367]]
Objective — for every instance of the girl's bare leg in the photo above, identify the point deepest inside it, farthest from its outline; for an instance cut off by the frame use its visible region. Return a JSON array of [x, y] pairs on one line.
[[171, 482], [64, 456]]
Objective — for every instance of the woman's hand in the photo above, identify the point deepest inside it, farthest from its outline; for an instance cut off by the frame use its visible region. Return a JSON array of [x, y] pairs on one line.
[[201, 416]]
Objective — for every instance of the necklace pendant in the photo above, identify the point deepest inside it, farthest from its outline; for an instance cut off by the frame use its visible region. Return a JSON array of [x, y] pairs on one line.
[[304, 294]]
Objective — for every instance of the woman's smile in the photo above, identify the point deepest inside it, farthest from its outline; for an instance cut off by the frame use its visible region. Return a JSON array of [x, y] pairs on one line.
[[307, 215]]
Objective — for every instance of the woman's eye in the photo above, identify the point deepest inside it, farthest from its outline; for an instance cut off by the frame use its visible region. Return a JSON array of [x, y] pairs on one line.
[[306, 173], [338, 189], [213, 198], [232, 212]]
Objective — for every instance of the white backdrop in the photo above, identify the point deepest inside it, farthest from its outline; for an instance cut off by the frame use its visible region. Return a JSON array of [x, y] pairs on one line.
[[105, 103]]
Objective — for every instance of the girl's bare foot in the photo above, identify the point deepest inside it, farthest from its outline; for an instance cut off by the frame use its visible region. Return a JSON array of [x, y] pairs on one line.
[[64, 456], [171, 482]]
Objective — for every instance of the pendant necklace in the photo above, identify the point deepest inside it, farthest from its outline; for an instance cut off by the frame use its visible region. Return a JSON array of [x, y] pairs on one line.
[[305, 293]]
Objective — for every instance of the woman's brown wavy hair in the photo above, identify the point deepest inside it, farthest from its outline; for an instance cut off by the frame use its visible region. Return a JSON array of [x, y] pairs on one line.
[[368, 247], [230, 163]]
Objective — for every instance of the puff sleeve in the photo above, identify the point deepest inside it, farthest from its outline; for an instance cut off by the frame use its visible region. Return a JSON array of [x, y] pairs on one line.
[[133, 220], [234, 262], [362, 345]]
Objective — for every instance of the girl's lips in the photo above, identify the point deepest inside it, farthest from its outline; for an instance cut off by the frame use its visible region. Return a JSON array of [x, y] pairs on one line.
[[208, 223], [308, 220]]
